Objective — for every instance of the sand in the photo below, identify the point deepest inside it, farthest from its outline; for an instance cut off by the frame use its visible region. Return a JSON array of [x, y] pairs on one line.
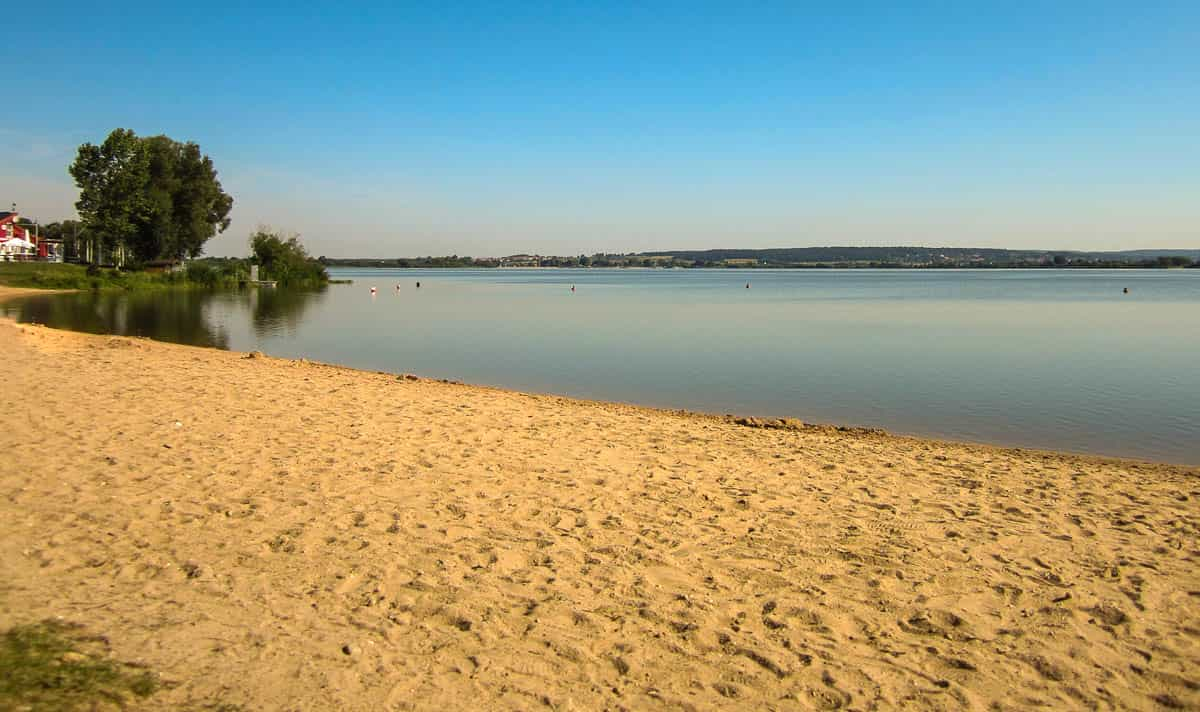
[[276, 534]]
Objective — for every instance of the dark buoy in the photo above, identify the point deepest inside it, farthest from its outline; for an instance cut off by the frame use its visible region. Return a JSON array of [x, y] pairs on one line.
[[1126, 290], [572, 288], [747, 285], [418, 285]]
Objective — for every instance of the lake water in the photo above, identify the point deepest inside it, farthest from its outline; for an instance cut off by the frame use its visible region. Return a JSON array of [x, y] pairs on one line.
[[1059, 359]]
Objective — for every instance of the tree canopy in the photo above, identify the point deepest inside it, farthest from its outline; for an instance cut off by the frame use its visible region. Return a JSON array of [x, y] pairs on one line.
[[153, 196]]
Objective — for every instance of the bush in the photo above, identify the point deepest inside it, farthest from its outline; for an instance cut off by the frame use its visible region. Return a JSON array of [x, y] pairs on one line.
[[202, 274], [286, 260]]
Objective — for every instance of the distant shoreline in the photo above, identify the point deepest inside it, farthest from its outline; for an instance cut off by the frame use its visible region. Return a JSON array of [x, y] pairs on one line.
[[355, 264], [834, 257]]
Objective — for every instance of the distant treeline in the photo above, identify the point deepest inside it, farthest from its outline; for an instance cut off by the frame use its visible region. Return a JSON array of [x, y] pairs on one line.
[[448, 261], [927, 257], [811, 257]]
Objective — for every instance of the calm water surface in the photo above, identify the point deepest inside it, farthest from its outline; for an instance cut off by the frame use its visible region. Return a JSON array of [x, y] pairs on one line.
[[1039, 358]]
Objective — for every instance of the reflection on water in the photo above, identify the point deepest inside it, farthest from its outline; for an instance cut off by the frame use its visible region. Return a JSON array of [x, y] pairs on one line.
[[279, 310], [185, 316], [1065, 360], [169, 315]]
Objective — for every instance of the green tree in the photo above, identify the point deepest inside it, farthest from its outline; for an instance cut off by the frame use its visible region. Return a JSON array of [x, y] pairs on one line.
[[188, 205], [111, 178], [154, 197]]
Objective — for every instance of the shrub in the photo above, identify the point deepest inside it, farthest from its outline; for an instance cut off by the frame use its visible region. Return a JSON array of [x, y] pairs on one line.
[[202, 274], [286, 260]]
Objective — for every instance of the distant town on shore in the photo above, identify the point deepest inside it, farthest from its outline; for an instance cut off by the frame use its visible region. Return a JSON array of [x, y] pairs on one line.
[[809, 257]]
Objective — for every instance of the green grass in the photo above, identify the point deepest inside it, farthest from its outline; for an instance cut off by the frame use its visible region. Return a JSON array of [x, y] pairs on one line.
[[54, 666], [43, 275], [49, 275]]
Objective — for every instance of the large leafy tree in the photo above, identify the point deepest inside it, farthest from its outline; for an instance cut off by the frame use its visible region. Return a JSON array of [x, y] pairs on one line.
[[154, 196], [111, 179]]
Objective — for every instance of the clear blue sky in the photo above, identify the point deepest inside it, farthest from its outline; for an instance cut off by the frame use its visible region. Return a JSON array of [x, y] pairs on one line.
[[492, 128]]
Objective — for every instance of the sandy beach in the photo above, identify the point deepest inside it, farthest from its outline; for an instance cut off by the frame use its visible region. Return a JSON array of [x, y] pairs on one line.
[[277, 534]]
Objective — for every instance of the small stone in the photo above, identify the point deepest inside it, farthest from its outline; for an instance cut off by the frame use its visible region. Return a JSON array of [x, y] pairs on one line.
[[1109, 614], [350, 649]]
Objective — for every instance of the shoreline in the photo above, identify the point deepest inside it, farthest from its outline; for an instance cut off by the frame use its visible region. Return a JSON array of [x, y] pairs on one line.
[[758, 420], [759, 268], [755, 421], [7, 292], [280, 533]]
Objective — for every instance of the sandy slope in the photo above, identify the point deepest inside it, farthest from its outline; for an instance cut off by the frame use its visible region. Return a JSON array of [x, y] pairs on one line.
[[289, 535]]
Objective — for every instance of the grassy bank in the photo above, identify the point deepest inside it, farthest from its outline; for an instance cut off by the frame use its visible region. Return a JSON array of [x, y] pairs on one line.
[[42, 275], [205, 273]]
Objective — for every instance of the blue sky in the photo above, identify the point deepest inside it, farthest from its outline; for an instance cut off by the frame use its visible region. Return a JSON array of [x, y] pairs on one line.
[[494, 128]]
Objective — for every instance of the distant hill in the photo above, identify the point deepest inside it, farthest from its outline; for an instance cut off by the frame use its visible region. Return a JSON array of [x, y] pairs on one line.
[[906, 255], [911, 257], [1148, 254]]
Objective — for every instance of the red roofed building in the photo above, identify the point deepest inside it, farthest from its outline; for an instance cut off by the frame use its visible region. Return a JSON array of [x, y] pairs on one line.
[[19, 242], [16, 242]]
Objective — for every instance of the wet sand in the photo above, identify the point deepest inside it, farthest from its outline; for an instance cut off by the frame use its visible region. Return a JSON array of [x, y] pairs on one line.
[[280, 534]]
